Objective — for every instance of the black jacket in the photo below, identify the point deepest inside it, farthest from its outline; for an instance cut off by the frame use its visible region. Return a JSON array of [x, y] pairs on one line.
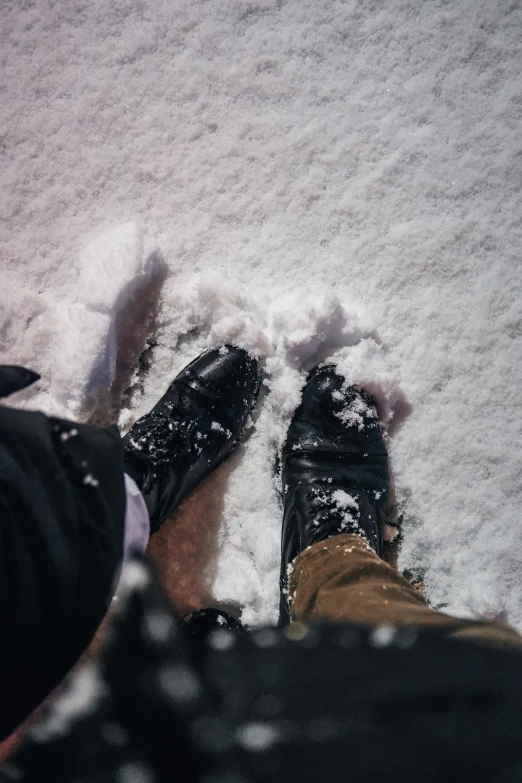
[[62, 506]]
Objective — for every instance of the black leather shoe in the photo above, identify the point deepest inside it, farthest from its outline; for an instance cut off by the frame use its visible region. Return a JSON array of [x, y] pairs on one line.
[[191, 430], [334, 470]]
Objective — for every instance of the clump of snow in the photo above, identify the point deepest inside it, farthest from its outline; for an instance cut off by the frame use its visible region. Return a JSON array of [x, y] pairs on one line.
[[205, 311], [218, 308], [343, 499], [367, 366], [111, 268], [355, 412], [307, 330], [344, 506]]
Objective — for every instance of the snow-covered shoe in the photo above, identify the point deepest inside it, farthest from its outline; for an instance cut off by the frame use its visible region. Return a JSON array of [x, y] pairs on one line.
[[334, 469], [191, 430]]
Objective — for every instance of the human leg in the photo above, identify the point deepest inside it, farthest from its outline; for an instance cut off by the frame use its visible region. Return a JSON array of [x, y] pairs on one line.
[[335, 475], [342, 579]]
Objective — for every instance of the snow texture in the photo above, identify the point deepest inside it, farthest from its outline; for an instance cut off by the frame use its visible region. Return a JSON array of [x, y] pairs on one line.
[[317, 178]]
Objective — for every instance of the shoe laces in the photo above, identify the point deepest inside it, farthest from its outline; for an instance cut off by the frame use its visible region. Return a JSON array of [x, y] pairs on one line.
[[158, 439], [334, 512]]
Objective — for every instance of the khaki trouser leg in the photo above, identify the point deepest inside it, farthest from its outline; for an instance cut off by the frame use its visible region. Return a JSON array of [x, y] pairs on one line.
[[343, 580]]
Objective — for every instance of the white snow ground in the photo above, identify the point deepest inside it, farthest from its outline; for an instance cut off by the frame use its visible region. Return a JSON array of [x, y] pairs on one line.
[[316, 177]]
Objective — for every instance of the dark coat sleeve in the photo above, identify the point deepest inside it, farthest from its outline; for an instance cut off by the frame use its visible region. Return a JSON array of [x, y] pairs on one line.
[[62, 506]]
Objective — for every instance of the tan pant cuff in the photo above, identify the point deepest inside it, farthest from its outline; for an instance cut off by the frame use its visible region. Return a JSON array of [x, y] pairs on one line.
[[342, 579]]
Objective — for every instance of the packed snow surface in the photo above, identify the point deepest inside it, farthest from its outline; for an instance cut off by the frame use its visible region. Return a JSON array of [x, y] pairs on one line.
[[306, 179]]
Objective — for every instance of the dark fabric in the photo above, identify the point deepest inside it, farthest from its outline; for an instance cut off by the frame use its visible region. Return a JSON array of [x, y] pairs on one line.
[[14, 378], [62, 506], [308, 703]]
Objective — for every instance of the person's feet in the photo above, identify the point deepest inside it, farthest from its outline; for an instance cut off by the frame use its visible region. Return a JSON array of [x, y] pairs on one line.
[[192, 429], [334, 469]]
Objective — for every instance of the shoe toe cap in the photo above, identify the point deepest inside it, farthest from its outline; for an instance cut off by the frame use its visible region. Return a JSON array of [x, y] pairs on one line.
[[229, 367], [233, 377], [335, 418]]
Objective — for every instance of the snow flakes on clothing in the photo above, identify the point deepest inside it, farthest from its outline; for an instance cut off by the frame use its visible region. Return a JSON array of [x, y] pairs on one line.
[[82, 694], [355, 412], [343, 499]]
